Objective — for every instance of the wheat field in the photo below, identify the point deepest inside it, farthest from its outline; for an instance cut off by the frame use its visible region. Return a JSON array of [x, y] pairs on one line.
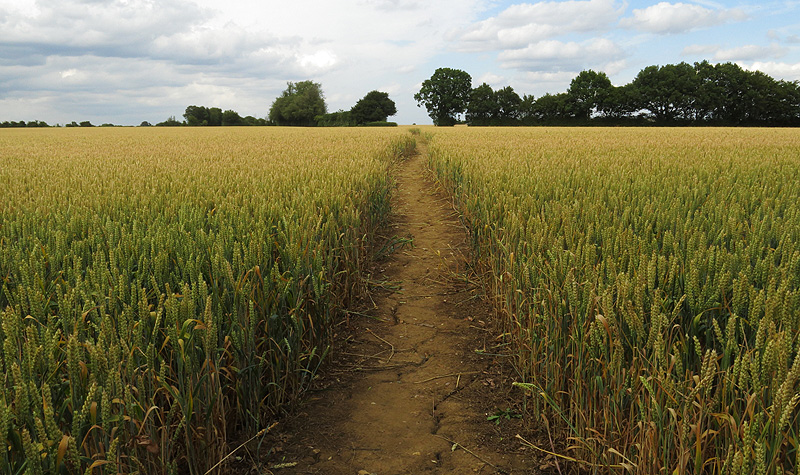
[[165, 289], [649, 281]]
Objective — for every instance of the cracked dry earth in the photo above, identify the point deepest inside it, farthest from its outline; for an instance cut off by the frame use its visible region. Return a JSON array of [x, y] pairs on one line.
[[408, 384]]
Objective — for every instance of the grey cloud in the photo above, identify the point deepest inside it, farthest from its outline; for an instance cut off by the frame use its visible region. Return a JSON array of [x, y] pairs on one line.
[[110, 61], [68, 75], [107, 28], [146, 30], [124, 91]]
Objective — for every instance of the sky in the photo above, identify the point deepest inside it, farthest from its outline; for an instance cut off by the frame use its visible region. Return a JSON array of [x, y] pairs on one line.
[[128, 61]]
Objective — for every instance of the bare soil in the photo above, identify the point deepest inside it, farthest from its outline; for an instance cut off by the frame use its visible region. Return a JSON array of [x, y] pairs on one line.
[[409, 388]]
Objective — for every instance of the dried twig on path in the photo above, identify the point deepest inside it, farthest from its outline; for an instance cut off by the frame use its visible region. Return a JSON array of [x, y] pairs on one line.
[[381, 339], [258, 434], [364, 357], [446, 376], [361, 314], [572, 459], [457, 445], [552, 445]]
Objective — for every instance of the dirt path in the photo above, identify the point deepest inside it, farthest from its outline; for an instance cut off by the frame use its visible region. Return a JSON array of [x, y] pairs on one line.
[[407, 388]]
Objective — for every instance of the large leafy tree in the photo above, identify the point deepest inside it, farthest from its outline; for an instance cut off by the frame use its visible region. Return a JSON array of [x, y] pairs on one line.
[[196, 115], [550, 107], [298, 105], [526, 109], [787, 112], [482, 106], [214, 116], [201, 115], [374, 107], [710, 92], [730, 95], [589, 91], [618, 103], [508, 104], [445, 95], [668, 92]]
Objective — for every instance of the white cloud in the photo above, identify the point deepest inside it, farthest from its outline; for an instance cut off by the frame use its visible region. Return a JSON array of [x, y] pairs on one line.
[[558, 55], [405, 69], [737, 53], [394, 5], [778, 70], [318, 62], [699, 50], [391, 88], [750, 53], [551, 76], [491, 79], [614, 67], [18, 9], [539, 83], [671, 18], [525, 23]]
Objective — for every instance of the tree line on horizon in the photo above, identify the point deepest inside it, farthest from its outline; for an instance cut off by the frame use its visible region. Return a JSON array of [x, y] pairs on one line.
[[303, 104], [673, 94], [300, 104], [14, 124], [40, 123]]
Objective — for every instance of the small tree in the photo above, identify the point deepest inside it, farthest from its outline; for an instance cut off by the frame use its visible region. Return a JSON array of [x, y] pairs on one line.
[[374, 107], [340, 118], [445, 95], [231, 117], [170, 122], [298, 105], [250, 120]]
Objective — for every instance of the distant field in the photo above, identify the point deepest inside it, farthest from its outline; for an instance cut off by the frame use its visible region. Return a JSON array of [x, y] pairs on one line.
[[650, 283], [165, 289]]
